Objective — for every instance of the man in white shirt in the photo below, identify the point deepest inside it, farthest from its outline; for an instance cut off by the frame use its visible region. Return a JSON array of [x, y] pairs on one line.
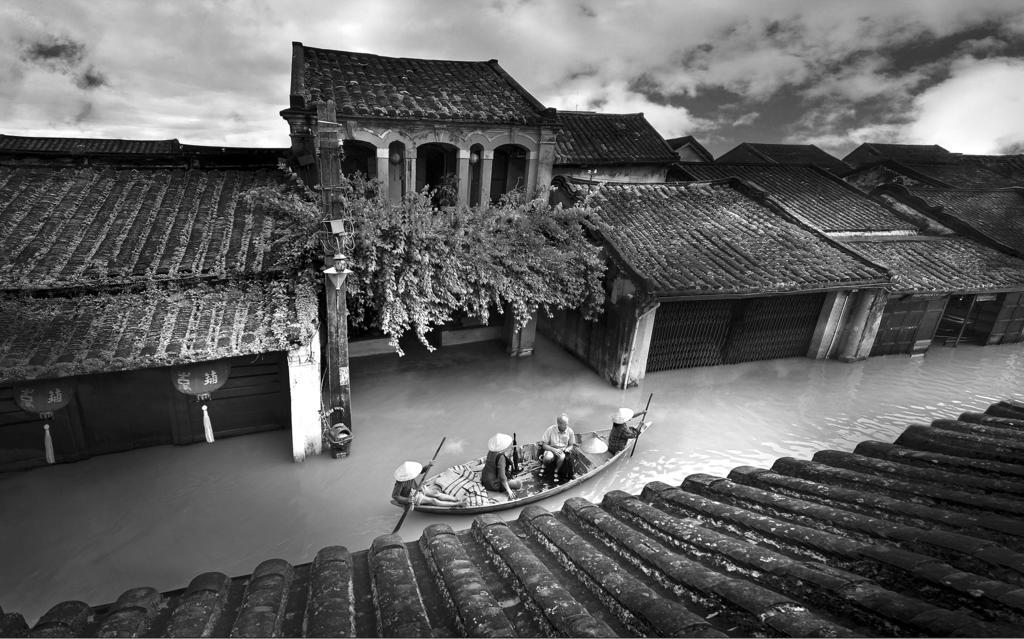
[[557, 444]]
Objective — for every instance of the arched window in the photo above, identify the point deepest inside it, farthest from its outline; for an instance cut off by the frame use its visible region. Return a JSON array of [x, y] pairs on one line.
[[437, 170], [359, 157], [508, 171]]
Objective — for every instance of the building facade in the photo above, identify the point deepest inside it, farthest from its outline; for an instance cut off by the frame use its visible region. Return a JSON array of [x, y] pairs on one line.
[[415, 124], [934, 270], [711, 272], [142, 303]]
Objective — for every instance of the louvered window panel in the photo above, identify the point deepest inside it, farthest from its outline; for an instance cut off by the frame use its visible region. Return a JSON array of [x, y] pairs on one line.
[[688, 334], [897, 332], [773, 328], [708, 333]]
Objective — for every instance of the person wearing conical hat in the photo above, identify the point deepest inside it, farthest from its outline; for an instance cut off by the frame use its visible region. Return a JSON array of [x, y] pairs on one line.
[[427, 494], [497, 471], [622, 432]]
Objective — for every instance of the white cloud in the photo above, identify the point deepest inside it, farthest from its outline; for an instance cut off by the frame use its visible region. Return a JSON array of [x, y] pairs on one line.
[[746, 119], [178, 69], [840, 143], [669, 121], [977, 110]]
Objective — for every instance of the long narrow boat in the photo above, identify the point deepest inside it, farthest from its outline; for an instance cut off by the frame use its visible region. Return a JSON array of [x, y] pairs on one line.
[[590, 457]]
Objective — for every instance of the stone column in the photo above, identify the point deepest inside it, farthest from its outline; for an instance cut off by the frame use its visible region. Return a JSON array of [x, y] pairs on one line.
[[863, 325], [487, 160], [304, 393], [410, 170], [463, 173], [545, 158], [384, 170], [531, 173]]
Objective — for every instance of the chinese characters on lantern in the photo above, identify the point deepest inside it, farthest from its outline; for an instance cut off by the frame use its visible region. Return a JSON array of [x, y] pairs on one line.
[[43, 397], [202, 378]]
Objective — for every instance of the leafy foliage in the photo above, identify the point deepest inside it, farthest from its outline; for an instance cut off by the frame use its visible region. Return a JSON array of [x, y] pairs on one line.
[[416, 265]]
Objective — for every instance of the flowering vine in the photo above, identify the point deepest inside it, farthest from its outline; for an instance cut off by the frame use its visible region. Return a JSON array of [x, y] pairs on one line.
[[417, 265]]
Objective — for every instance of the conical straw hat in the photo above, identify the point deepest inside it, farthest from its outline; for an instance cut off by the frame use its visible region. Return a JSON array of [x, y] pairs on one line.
[[622, 416], [499, 442], [408, 470], [594, 445]]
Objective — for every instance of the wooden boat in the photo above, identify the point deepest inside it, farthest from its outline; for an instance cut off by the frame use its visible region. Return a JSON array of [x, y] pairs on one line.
[[590, 457]]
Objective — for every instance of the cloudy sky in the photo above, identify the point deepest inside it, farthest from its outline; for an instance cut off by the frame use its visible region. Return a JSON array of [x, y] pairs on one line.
[[825, 72]]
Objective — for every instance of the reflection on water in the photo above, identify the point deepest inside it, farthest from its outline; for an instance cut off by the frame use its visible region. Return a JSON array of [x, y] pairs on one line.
[[161, 516]]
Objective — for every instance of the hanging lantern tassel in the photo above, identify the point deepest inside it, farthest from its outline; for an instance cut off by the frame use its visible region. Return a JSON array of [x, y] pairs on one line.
[[48, 444], [207, 425]]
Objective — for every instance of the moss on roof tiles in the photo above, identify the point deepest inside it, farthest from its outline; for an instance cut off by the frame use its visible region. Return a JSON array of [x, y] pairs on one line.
[[106, 332], [365, 85], [90, 226], [711, 238], [821, 200]]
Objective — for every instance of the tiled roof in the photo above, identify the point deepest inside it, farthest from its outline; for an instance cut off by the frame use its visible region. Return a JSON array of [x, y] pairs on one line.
[[906, 153], [712, 238], [997, 215], [364, 85], [954, 169], [63, 336], [964, 174], [930, 264], [1009, 166], [787, 154], [821, 200], [62, 227], [921, 537], [87, 146], [12, 145], [688, 140], [608, 138]]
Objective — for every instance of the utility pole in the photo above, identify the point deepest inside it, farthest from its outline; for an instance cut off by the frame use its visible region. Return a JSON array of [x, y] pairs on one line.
[[336, 236]]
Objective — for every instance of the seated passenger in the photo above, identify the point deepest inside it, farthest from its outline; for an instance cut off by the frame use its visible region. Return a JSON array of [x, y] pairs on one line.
[[497, 471], [557, 445], [428, 494], [621, 432]]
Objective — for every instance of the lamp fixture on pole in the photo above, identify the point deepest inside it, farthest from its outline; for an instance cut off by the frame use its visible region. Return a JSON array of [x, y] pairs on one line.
[[337, 276]]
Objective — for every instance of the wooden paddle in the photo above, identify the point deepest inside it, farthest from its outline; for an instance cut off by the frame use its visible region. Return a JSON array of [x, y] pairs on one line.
[[641, 431], [412, 495]]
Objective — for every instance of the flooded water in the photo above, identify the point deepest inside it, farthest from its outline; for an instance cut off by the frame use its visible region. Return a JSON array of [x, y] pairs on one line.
[[160, 516]]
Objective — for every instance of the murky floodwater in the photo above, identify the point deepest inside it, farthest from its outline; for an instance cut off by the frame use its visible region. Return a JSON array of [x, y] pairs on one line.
[[160, 516]]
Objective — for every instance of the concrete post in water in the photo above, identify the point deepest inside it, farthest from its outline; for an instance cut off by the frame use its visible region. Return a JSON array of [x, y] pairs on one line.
[[863, 325], [636, 364], [830, 324], [304, 393]]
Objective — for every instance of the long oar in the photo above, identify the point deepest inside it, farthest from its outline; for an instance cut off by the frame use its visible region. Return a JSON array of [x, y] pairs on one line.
[[641, 431], [412, 495]]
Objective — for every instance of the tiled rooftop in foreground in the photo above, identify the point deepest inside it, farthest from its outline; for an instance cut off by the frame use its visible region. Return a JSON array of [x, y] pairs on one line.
[[920, 537]]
